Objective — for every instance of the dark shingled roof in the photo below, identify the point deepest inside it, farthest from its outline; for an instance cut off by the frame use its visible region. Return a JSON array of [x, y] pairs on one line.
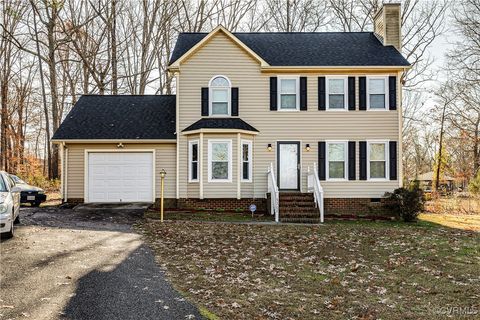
[[120, 117], [309, 48], [220, 123]]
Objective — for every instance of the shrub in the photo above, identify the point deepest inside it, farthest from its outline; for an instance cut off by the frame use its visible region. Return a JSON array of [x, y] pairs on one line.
[[474, 185], [407, 203]]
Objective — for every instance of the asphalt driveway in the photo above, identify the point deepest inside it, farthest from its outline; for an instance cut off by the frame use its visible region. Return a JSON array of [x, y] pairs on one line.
[[63, 264]]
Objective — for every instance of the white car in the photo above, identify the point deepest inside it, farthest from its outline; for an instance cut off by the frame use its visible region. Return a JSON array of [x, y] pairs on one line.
[[9, 204]]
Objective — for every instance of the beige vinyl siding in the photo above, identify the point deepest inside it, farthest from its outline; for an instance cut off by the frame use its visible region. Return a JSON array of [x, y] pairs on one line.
[[222, 56], [164, 158]]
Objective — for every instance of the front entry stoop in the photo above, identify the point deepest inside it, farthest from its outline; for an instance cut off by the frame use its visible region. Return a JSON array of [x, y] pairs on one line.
[[297, 207]]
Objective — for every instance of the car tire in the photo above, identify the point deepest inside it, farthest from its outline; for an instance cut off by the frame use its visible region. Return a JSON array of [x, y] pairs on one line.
[[17, 219]]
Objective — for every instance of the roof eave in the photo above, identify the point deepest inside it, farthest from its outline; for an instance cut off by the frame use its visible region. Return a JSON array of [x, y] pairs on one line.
[[113, 140], [218, 130]]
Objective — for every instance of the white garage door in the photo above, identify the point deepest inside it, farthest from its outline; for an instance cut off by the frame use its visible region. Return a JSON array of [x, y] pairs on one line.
[[120, 177]]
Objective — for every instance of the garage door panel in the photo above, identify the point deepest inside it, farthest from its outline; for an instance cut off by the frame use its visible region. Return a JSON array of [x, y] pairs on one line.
[[120, 176]]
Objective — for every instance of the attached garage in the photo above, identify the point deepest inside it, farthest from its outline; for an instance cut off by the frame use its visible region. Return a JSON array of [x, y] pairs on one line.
[[119, 176]]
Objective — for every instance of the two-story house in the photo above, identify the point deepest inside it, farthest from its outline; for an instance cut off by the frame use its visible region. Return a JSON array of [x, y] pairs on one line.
[[292, 117]]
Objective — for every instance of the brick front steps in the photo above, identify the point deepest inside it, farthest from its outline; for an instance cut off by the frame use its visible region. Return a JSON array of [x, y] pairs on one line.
[[298, 207]]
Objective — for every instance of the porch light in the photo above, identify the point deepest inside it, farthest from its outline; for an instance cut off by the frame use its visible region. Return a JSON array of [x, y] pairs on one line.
[[163, 173], [269, 147], [120, 145], [307, 147]]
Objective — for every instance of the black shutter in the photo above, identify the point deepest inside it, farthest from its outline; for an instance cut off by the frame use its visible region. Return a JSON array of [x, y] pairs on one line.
[[363, 93], [303, 93], [204, 102], [273, 93], [393, 160], [363, 160], [234, 101], [321, 93], [351, 93], [351, 160], [392, 93], [321, 160]]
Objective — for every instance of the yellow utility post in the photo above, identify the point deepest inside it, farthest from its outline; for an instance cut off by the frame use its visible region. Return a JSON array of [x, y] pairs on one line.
[[162, 178]]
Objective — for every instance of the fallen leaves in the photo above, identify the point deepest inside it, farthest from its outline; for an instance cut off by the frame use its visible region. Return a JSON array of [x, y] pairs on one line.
[[334, 271]]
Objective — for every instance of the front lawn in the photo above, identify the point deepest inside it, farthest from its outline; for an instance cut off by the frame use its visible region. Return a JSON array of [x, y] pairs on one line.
[[339, 270]]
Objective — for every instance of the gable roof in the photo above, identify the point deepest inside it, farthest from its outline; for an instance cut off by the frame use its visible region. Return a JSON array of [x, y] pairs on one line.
[[192, 47], [125, 117], [324, 49], [220, 123]]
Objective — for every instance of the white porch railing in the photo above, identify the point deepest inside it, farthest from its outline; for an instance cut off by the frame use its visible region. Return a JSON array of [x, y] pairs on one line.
[[313, 185], [274, 194]]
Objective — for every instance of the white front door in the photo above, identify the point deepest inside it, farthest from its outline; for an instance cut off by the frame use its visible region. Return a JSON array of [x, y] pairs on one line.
[[120, 177], [288, 165]]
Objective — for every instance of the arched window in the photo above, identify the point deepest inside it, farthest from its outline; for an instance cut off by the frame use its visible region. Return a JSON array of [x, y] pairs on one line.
[[219, 96]]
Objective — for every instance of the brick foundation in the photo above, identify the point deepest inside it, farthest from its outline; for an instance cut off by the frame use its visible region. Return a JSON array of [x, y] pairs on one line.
[[75, 201], [228, 204], [355, 206]]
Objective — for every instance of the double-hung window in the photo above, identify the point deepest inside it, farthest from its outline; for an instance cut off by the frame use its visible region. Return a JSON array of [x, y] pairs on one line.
[[220, 160], [377, 93], [220, 96], [337, 160], [336, 93], [377, 160], [246, 161], [193, 161], [288, 93]]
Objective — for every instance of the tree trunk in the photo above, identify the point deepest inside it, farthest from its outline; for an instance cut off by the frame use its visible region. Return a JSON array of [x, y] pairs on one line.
[[440, 147], [113, 34]]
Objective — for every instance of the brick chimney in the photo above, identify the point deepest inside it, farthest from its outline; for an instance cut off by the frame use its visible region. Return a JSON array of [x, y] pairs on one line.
[[387, 25]]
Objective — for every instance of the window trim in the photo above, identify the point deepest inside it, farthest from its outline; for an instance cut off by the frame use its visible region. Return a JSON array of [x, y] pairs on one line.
[[385, 79], [250, 161], [327, 160], [210, 143], [345, 93], [190, 160], [387, 156], [297, 93], [229, 97]]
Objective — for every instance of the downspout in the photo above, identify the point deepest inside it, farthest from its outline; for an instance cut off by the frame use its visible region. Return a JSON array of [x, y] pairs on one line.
[[400, 130], [62, 172], [200, 157], [239, 154], [177, 129]]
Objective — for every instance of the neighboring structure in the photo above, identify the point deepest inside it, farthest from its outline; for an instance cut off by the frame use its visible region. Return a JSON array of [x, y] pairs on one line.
[[297, 103], [426, 181]]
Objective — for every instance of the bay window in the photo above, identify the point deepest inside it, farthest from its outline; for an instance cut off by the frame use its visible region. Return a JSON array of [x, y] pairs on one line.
[[193, 161], [246, 161], [220, 160]]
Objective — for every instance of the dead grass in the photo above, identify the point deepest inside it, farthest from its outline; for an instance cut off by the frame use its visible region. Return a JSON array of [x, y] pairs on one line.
[[454, 205], [465, 222], [339, 270]]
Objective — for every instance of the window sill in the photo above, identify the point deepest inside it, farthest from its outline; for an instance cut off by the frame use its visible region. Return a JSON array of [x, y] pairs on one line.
[[219, 181], [193, 181], [334, 110], [378, 179], [378, 110], [288, 110], [336, 179]]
